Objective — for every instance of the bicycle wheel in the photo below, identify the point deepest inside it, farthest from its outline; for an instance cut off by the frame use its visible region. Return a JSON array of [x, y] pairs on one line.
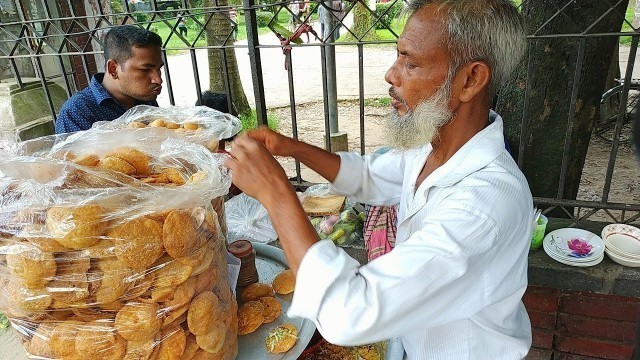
[[609, 107]]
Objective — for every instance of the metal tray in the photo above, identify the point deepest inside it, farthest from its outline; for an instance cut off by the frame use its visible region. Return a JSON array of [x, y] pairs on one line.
[[270, 261]]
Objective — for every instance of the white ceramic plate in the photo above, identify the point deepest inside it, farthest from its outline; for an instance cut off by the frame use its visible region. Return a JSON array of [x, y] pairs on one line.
[[556, 246], [622, 260], [623, 237]]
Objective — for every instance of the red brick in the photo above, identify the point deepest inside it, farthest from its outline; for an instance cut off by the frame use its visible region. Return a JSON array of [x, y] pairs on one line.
[[597, 328], [541, 298], [594, 348], [564, 356], [539, 354], [542, 320], [600, 306], [542, 339]]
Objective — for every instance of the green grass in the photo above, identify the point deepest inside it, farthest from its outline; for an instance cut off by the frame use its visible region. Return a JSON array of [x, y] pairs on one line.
[[626, 40], [380, 102], [251, 121], [176, 45]]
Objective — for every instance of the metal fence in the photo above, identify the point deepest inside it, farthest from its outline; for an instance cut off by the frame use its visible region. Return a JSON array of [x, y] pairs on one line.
[[59, 42]]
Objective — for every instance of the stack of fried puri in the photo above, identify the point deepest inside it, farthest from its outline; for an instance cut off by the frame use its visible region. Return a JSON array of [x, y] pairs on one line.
[[106, 277]]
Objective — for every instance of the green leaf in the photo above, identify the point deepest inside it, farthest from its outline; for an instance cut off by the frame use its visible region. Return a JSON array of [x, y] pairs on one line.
[[4, 322]]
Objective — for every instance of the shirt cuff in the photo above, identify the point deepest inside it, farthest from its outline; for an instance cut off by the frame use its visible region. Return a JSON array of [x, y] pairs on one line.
[[320, 267], [349, 176]]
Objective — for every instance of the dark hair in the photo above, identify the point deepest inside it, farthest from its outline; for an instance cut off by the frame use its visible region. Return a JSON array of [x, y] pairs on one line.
[[216, 101], [120, 39]]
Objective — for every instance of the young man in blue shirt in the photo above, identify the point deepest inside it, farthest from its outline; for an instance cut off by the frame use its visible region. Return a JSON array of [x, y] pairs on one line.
[[132, 77]]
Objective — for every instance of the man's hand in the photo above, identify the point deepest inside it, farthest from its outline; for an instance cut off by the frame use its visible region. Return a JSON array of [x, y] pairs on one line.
[[255, 171], [277, 144]]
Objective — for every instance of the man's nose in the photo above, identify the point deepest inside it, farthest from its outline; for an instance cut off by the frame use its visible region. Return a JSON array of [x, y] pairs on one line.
[[157, 77], [392, 75]]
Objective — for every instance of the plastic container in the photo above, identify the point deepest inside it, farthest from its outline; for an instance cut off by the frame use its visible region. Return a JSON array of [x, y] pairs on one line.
[[538, 234]]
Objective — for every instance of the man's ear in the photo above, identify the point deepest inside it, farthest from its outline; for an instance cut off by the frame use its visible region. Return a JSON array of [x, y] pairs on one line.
[[476, 76], [112, 68]]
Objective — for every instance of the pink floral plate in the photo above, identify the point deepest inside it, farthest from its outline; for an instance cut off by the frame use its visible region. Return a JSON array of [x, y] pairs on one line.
[[573, 245]]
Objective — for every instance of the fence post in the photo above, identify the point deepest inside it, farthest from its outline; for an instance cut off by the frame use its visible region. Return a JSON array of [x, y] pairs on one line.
[[254, 59]]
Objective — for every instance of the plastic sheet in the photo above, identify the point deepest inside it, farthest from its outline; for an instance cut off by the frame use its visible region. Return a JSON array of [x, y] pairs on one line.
[[198, 124], [110, 247], [248, 219]]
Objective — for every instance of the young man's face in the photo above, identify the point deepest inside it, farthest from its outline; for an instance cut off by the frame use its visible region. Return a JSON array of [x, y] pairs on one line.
[[139, 76], [423, 61]]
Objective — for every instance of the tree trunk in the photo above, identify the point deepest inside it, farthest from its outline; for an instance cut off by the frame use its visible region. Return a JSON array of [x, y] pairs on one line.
[[636, 13], [550, 83], [218, 31], [362, 22]]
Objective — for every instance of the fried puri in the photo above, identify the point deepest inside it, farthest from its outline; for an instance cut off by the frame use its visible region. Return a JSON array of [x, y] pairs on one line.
[[63, 339], [138, 321], [114, 280], [35, 267], [136, 158], [169, 272], [172, 343], [281, 338], [202, 313], [272, 309], [97, 340], [179, 234], [174, 176], [285, 282], [138, 242], [77, 227], [117, 164], [256, 291], [250, 317], [212, 341]]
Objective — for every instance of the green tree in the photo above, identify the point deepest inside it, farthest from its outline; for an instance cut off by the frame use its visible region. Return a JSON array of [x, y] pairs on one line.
[[218, 33], [363, 21], [549, 73]]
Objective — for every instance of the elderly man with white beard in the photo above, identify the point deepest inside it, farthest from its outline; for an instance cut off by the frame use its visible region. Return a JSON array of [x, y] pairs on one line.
[[452, 286]]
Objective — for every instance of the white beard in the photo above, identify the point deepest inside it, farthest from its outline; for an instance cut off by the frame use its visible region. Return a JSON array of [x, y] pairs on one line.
[[417, 128]]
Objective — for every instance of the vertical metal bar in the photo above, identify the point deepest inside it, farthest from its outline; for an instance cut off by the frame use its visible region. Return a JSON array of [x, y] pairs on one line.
[[361, 95], [572, 116], [292, 102], [196, 73], [16, 73], [85, 67], [622, 111], [525, 124], [330, 64], [254, 60], [327, 128], [43, 81], [167, 75], [64, 76], [227, 80]]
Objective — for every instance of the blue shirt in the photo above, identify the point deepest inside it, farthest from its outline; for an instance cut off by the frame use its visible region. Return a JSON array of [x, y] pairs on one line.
[[92, 104]]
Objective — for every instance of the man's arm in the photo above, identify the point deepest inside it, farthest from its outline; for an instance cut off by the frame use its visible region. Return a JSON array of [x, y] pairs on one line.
[[319, 160]]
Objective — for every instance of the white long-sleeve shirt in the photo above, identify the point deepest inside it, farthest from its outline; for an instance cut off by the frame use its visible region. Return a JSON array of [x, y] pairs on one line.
[[452, 286]]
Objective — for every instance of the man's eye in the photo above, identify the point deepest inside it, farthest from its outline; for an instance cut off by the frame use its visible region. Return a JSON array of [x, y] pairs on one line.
[[409, 66]]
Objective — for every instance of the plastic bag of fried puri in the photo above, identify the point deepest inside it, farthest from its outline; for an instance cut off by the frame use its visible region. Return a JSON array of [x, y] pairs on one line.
[[197, 124], [110, 248]]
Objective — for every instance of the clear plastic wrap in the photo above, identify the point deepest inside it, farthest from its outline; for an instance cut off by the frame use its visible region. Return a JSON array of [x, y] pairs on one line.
[[198, 124], [248, 220], [110, 247]]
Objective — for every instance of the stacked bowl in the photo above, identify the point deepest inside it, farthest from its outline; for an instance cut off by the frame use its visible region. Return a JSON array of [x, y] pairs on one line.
[[574, 247], [622, 244]]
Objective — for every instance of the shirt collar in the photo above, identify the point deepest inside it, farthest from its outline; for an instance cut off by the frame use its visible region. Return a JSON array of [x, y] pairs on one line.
[[482, 149], [99, 92]]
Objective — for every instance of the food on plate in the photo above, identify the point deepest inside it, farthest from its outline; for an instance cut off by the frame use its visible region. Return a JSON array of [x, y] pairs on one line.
[[256, 291], [285, 282], [272, 309], [281, 339], [250, 317]]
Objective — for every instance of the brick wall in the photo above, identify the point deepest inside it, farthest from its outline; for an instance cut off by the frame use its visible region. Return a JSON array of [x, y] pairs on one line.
[[574, 325]]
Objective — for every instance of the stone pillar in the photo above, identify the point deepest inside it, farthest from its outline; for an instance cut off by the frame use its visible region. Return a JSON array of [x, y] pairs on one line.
[[24, 112]]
